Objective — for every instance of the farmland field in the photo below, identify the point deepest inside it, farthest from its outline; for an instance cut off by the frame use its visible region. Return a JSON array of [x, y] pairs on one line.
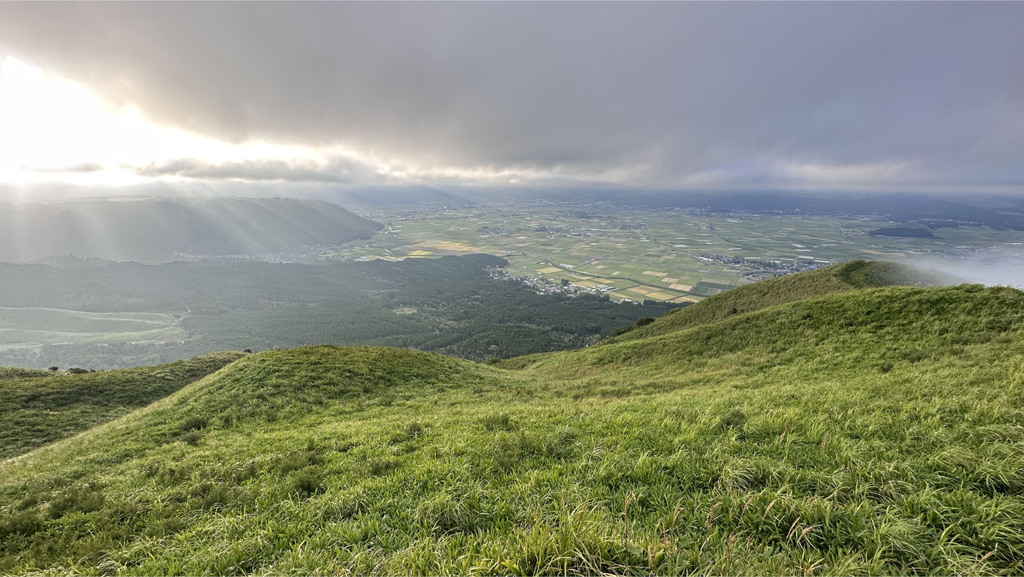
[[668, 255], [33, 326]]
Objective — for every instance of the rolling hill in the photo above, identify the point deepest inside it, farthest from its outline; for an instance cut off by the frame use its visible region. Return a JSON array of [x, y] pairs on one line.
[[165, 229], [842, 278], [41, 406], [857, 430]]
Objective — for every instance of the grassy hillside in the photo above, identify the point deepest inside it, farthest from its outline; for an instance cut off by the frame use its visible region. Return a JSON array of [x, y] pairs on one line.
[[17, 372], [841, 278], [878, 431], [38, 407]]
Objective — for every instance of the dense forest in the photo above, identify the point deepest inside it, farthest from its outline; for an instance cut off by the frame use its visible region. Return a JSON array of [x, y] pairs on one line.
[[450, 305]]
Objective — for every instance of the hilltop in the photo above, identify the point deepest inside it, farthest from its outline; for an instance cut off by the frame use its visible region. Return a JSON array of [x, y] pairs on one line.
[[842, 278], [872, 430], [165, 229]]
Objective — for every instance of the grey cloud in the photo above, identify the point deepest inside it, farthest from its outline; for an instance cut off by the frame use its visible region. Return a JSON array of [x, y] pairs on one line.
[[75, 168], [334, 172], [674, 89]]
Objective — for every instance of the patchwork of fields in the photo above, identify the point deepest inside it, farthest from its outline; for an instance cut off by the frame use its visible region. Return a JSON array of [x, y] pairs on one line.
[[664, 255]]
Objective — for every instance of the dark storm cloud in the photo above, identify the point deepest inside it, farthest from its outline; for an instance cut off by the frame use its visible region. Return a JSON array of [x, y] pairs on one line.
[[908, 93]]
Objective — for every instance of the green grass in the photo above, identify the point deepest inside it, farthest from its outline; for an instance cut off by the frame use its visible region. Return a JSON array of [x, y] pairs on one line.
[[17, 373], [876, 431], [39, 407], [842, 278]]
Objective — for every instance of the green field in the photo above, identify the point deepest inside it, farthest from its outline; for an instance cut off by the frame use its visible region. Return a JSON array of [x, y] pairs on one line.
[[858, 430], [603, 244]]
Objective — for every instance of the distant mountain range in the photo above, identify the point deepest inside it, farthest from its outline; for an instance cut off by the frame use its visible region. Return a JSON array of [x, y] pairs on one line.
[[161, 230]]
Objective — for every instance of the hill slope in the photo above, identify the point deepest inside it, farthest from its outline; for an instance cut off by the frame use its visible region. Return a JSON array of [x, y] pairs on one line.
[[161, 230], [39, 407], [836, 279], [879, 431]]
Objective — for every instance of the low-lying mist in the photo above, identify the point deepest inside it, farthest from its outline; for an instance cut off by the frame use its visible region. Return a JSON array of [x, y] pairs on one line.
[[993, 266]]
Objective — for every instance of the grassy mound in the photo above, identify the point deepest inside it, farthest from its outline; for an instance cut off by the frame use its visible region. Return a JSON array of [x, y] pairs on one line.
[[39, 407], [281, 385], [875, 432]]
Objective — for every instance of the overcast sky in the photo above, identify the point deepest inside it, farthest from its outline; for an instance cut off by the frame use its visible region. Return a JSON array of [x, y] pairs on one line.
[[887, 96]]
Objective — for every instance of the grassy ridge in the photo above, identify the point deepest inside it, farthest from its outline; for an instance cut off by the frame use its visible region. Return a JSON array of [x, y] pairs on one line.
[[38, 407], [874, 432], [17, 373], [837, 279], [875, 330]]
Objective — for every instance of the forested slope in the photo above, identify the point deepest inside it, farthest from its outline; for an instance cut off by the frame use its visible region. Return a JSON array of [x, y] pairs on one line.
[[450, 305]]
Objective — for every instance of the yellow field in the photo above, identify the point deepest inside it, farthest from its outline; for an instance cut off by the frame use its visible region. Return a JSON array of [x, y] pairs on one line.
[[681, 287], [651, 293], [881, 253], [446, 246], [632, 294], [660, 296], [646, 293], [655, 273], [549, 270], [684, 299], [420, 253]]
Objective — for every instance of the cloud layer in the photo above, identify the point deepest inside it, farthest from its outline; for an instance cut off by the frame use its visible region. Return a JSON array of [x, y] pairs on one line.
[[847, 95]]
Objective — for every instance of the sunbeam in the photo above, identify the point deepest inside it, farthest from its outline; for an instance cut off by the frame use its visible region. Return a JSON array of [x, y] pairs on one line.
[[55, 130]]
